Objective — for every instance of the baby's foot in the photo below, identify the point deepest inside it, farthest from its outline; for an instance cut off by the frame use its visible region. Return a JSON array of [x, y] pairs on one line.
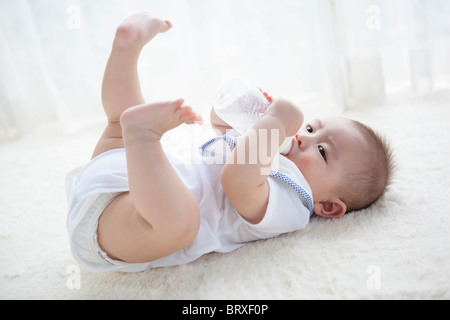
[[138, 29], [151, 121]]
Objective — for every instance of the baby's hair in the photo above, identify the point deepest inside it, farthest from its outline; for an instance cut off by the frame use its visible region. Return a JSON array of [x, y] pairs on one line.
[[366, 183]]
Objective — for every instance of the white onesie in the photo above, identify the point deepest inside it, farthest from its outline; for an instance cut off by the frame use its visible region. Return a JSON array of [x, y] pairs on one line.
[[91, 188]]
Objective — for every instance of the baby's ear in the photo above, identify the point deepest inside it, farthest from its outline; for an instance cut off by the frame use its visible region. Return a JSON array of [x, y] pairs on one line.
[[330, 208]]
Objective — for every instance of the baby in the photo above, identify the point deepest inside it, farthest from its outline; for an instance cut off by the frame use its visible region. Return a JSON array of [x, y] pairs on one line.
[[132, 207]]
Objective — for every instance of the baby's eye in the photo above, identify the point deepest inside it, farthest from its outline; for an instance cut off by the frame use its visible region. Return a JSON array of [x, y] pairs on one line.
[[309, 129], [322, 152]]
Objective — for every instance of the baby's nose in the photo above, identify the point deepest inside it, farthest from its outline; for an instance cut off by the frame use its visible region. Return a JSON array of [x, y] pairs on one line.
[[303, 140], [299, 138]]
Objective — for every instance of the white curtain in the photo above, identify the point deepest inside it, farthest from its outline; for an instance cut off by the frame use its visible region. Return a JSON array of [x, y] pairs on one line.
[[339, 53]]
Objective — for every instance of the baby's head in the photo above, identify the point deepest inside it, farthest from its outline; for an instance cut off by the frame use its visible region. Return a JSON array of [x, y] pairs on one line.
[[347, 165]]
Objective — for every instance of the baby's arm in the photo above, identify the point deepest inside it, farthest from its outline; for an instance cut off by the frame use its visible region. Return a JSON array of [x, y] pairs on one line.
[[244, 176]]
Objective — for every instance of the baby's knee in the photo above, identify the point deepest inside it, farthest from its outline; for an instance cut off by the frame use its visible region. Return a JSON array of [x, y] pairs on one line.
[[180, 226]]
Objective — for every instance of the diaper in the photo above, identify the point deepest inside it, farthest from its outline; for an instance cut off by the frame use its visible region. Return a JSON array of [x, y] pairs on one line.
[[90, 189]]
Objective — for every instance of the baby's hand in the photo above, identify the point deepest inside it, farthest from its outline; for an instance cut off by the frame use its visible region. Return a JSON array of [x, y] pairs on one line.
[[268, 97], [290, 116]]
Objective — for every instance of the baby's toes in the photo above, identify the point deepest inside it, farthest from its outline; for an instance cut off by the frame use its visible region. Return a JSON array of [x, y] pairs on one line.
[[194, 118], [165, 25], [189, 116]]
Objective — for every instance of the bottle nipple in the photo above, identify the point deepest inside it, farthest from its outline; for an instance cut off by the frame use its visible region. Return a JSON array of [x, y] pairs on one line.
[[286, 146]]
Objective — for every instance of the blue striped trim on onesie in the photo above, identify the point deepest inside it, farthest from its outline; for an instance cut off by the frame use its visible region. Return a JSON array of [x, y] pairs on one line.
[[275, 174], [229, 140], [296, 187]]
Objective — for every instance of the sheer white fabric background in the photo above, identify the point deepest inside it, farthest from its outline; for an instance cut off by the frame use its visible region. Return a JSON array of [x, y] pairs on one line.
[[337, 53]]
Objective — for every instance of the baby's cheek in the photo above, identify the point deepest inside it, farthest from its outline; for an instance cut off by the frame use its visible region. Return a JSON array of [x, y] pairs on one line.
[[306, 168], [306, 163]]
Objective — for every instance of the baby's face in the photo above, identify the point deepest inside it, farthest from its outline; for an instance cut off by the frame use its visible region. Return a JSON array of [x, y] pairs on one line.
[[323, 151]]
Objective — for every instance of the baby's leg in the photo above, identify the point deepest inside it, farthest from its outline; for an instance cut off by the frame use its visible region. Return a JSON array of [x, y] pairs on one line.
[[159, 215], [121, 88]]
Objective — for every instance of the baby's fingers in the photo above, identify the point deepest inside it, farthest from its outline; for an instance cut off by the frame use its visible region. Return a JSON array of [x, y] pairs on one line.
[[268, 97]]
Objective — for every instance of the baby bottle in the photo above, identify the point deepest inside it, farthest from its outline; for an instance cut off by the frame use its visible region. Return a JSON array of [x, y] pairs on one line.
[[241, 106]]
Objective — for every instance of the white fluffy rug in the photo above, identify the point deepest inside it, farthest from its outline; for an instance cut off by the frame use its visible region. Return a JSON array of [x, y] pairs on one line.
[[397, 249]]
